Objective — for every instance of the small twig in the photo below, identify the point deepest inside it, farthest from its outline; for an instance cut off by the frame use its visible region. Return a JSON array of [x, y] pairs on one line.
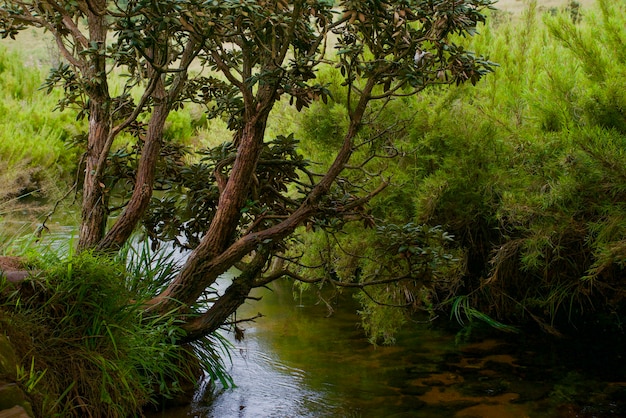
[[251, 319], [43, 226]]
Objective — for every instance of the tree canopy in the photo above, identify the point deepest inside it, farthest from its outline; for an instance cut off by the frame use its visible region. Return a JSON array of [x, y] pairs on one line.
[[239, 202]]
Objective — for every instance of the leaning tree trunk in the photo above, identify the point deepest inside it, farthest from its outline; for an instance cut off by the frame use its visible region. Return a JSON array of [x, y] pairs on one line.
[[202, 266], [209, 260]]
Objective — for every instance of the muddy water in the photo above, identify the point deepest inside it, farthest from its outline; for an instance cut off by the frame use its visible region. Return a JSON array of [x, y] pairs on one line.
[[297, 362]]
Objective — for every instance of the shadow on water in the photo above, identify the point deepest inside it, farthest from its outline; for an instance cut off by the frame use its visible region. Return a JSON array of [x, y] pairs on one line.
[[297, 362]]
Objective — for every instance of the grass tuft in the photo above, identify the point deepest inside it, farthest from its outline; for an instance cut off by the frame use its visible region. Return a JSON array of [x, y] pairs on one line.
[[87, 348]]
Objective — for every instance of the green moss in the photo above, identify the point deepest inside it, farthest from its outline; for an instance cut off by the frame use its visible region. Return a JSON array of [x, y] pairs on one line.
[[11, 395]]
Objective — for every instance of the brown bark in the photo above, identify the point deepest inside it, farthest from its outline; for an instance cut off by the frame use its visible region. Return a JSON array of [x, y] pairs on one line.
[[126, 223], [203, 265], [94, 213], [144, 182], [94, 205], [234, 296], [208, 261]]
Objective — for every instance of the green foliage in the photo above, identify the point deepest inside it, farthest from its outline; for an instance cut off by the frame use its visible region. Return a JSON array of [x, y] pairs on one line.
[[325, 125], [188, 202], [380, 322], [182, 126], [73, 323], [34, 155], [462, 310], [80, 324], [525, 170], [398, 269], [252, 54], [148, 273], [528, 175]]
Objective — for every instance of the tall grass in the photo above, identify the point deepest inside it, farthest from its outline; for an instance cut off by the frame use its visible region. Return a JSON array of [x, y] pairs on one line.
[[34, 151], [80, 323]]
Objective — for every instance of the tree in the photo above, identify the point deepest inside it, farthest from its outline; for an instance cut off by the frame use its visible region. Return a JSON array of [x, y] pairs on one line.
[[247, 197]]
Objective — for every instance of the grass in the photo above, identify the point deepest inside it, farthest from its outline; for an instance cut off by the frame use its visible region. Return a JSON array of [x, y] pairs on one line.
[[86, 346], [35, 158], [518, 6]]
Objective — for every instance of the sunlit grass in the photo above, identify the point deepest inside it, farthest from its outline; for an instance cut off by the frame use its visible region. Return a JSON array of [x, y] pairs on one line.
[[34, 150]]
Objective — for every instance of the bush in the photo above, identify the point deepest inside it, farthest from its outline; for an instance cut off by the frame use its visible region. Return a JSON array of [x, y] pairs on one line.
[[525, 170], [87, 347]]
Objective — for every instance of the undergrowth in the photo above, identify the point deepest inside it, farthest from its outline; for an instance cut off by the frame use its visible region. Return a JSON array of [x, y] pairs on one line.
[[87, 346], [524, 171]]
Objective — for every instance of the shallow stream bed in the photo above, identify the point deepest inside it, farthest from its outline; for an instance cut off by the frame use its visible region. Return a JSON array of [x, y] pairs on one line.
[[298, 362]]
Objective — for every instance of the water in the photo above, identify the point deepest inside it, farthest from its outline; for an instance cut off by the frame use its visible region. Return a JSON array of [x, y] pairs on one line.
[[297, 362]]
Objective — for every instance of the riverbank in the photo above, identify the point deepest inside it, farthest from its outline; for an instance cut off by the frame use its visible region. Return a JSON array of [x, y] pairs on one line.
[[84, 346]]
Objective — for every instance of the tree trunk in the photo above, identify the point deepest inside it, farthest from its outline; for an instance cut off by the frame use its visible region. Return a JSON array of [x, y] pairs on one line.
[[201, 270], [234, 296], [94, 207], [136, 207], [144, 182], [94, 211], [208, 261]]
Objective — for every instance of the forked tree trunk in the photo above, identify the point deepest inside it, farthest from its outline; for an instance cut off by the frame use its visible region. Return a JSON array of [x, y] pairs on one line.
[[209, 260], [136, 207]]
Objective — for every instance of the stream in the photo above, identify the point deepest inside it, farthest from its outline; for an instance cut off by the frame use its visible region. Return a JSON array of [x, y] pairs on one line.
[[296, 361]]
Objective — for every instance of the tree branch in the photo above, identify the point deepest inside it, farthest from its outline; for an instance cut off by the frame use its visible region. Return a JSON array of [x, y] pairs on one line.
[[264, 280]]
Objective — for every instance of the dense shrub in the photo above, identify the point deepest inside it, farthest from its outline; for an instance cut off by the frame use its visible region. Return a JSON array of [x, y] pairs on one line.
[[525, 172], [86, 346]]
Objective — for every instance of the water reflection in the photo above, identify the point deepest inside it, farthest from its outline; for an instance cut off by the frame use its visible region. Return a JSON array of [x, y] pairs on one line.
[[266, 387], [297, 362], [286, 366]]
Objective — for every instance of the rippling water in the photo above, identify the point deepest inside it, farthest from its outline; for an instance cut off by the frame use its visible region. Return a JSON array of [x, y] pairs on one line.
[[266, 387], [297, 362]]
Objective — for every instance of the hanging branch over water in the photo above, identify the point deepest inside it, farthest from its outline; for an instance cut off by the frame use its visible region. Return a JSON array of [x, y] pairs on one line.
[[244, 199]]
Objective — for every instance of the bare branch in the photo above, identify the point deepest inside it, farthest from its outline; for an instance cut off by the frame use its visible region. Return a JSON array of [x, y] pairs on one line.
[[264, 280]]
